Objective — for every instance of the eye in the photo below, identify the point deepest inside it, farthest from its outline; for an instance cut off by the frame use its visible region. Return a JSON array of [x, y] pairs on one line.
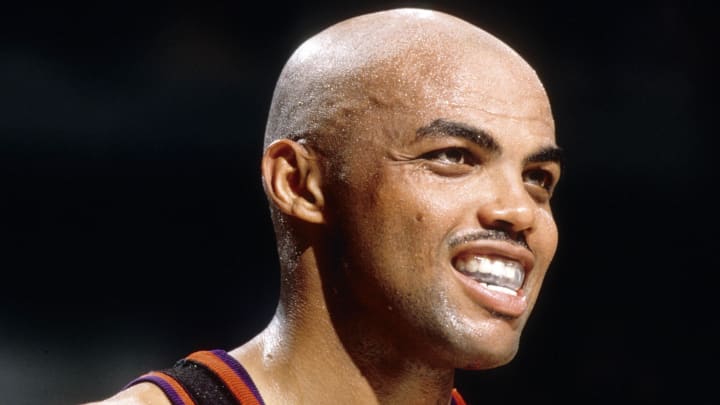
[[539, 178], [455, 156]]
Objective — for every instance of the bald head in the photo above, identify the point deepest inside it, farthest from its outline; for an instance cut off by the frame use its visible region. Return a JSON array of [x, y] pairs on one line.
[[360, 86], [399, 60]]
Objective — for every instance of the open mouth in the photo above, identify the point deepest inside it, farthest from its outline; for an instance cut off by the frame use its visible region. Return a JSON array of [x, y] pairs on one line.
[[498, 274]]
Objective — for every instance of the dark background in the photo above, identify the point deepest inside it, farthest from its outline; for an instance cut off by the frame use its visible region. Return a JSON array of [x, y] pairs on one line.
[[133, 228]]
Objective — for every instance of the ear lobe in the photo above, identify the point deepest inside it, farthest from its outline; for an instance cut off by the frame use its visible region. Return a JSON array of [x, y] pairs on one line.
[[292, 180]]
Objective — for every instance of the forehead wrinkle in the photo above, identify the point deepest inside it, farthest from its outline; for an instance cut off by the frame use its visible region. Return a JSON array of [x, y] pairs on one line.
[[514, 116], [441, 127]]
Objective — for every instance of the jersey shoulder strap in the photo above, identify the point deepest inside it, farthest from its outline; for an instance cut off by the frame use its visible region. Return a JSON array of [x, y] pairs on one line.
[[205, 378]]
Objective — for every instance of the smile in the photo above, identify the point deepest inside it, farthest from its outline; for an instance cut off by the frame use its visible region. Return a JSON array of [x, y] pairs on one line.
[[497, 274]]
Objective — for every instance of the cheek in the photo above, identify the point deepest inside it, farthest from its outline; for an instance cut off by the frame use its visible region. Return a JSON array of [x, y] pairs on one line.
[[424, 215], [409, 221], [401, 216], [544, 243], [548, 234]]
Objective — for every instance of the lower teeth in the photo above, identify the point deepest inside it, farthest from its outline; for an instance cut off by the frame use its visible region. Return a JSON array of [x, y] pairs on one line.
[[501, 289]]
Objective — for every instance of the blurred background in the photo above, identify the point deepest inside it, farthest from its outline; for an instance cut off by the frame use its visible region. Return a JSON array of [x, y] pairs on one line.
[[134, 230]]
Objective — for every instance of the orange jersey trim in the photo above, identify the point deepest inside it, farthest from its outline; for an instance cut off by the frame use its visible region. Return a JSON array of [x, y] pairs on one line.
[[458, 399], [235, 384]]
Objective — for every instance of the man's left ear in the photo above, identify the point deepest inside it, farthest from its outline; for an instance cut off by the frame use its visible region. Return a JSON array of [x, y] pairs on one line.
[[292, 180]]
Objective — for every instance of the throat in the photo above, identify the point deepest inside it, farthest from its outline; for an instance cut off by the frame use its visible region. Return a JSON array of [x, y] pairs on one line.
[[345, 369]]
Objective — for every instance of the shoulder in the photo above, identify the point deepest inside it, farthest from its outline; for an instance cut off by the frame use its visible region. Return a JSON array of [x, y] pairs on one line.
[[140, 394]]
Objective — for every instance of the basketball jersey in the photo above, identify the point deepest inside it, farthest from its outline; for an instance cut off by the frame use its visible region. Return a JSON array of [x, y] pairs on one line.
[[213, 378]]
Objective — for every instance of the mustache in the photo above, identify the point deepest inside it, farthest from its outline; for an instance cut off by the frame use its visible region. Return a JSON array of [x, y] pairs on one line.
[[490, 234]]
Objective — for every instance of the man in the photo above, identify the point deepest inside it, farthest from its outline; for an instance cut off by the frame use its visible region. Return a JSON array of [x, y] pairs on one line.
[[409, 162]]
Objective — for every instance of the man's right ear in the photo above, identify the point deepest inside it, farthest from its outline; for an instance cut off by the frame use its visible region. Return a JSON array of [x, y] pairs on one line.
[[292, 180]]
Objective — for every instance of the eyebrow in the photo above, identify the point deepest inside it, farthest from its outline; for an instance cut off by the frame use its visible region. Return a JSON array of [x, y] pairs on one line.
[[546, 154], [442, 127]]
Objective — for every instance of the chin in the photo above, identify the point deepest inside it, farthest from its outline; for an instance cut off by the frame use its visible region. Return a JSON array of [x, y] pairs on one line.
[[487, 360], [488, 363], [487, 354]]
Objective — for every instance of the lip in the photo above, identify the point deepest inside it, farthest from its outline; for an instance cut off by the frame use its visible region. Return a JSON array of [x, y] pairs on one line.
[[494, 301]]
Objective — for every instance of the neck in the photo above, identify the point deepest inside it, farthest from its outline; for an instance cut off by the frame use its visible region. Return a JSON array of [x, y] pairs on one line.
[[307, 356]]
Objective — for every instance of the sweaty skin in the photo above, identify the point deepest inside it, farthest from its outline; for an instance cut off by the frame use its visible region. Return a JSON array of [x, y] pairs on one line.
[[402, 148]]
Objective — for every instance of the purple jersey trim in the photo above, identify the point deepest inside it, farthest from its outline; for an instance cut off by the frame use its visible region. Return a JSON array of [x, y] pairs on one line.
[[240, 371], [169, 391]]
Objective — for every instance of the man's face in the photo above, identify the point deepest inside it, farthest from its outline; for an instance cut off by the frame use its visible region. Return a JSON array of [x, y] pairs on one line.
[[444, 212]]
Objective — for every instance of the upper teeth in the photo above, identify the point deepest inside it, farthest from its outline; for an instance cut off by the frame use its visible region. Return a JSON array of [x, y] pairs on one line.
[[492, 271]]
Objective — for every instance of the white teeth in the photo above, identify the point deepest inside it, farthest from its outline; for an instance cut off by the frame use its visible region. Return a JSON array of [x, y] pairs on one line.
[[501, 275], [500, 289]]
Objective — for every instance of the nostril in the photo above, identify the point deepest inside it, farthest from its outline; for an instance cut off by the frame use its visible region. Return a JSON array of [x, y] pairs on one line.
[[505, 226]]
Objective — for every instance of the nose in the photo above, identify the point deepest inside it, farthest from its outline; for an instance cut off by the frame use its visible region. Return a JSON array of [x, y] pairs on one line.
[[509, 207]]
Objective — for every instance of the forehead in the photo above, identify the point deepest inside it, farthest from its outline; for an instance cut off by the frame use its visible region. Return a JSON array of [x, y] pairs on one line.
[[490, 88]]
